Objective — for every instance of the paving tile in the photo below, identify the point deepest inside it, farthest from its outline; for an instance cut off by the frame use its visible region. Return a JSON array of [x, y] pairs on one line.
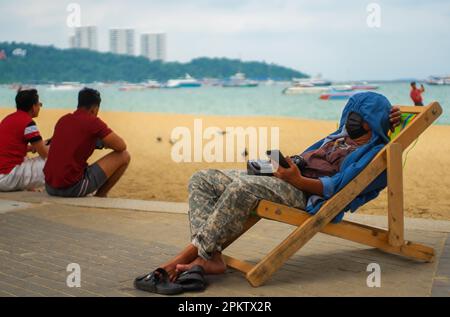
[[35, 251]]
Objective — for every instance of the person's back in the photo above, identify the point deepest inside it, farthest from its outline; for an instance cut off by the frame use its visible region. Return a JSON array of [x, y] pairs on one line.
[[73, 142], [17, 129], [67, 173]]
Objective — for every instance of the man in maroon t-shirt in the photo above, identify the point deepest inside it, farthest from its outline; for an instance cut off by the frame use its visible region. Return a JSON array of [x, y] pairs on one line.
[[416, 94], [76, 136], [18, 136]]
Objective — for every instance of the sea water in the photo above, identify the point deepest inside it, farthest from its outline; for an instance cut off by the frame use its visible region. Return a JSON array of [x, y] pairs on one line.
[[263, 100]]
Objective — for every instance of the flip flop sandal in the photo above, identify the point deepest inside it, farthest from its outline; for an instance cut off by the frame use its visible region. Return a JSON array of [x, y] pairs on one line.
[[192, 280], [157, 282]]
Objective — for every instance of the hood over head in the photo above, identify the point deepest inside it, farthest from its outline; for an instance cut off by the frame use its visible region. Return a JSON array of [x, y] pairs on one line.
[[374, 108]]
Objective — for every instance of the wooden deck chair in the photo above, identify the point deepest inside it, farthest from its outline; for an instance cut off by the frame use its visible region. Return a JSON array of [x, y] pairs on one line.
[[391, 240]]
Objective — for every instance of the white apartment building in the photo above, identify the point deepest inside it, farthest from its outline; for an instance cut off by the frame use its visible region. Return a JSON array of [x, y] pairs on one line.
[[154, 46], [85, 37], [121, 41]]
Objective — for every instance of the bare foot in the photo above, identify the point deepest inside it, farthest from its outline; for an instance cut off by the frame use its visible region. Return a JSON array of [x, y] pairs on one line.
[[185, 257], [171, 270], [214, 266]]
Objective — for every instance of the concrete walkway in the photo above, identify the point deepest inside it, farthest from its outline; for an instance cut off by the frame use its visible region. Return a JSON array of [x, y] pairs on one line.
[[114, 240]]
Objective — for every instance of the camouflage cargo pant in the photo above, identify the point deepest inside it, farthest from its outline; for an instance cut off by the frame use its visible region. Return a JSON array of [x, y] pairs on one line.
[[220, 202]]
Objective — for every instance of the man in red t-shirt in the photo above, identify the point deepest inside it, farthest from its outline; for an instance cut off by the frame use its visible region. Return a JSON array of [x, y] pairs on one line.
[[76, 136], [416, 94], [18, 136]]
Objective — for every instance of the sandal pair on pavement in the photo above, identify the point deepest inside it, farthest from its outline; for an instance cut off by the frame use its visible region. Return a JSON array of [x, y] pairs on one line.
[[158, 282]]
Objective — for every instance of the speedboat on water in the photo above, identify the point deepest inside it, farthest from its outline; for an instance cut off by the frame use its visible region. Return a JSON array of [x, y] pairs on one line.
[[364, 86], [187, 82], [310, 89], [341, 88], [436, 80], [307, 86], [300, 90], [311, 82], [239, 81], [336, 95]]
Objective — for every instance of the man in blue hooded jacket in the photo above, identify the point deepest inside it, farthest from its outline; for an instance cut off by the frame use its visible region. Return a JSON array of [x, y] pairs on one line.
[[220, 201]]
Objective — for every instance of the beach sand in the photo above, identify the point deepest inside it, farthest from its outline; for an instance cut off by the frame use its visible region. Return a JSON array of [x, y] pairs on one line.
[[153, 175]]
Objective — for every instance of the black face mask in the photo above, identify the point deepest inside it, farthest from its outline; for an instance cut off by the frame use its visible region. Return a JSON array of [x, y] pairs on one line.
[[354, 126]]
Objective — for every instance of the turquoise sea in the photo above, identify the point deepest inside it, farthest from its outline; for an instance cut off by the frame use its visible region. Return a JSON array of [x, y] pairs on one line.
[[263, 100]]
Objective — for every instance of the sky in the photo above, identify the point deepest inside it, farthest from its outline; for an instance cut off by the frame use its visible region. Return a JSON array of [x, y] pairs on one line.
[[327, 37]]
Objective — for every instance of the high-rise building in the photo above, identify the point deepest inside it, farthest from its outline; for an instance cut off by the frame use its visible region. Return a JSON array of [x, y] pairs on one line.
[[72, 41], [121, 41], [154, 46], [85, 37]]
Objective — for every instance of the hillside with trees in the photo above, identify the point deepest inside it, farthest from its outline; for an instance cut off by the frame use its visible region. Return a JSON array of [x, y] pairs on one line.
[[28, 63]]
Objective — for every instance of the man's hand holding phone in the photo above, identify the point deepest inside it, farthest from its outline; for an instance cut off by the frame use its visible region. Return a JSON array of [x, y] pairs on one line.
[[286, 169], [292, 175]]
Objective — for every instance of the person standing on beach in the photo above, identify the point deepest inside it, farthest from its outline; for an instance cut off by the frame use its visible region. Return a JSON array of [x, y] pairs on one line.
[[76, 136], [20, 135], [416, 94]]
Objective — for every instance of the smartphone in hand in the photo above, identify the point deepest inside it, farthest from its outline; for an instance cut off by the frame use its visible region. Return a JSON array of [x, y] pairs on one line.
[[277, 156]]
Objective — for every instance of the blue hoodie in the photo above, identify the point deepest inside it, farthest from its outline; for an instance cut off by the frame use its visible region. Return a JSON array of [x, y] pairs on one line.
[[374, 109]]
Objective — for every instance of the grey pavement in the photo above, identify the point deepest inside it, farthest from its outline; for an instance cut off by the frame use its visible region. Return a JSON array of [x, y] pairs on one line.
[[39, 238]]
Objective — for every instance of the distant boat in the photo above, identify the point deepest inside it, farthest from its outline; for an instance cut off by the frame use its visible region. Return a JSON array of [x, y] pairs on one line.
[[341, 88], [65, 86], [337, 96], [299, 90], [151, 84], [437, 80], [315, 85], [311, 82], [364, 86], [187, 82], [239, 81]]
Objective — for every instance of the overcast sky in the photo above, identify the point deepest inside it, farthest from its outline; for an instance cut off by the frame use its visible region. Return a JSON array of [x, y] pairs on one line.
[[316, 36]]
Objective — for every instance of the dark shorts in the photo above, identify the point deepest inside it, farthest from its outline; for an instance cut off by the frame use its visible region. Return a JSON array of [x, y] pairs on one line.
[[93, 179], [418, 103]]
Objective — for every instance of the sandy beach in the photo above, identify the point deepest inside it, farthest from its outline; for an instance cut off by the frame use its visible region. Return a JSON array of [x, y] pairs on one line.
[[153, 175]]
